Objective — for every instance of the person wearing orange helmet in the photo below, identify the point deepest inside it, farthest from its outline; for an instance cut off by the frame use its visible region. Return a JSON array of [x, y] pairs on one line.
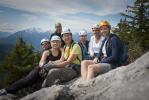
[[108, 56]]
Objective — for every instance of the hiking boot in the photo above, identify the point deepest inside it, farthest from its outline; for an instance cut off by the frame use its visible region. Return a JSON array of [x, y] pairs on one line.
[[3, 92]]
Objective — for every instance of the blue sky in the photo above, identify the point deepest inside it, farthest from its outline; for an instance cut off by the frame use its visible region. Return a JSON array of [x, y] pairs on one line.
[[17, 15]]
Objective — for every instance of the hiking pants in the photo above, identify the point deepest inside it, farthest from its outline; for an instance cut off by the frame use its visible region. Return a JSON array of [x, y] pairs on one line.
[[29, 80], [59, 75]]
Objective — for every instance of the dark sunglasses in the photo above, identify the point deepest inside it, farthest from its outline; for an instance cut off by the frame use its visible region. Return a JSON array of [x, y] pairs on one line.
[[44, 44]]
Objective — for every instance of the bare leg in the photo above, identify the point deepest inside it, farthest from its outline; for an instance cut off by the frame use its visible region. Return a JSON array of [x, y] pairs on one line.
[[92, 70], [84, 68]]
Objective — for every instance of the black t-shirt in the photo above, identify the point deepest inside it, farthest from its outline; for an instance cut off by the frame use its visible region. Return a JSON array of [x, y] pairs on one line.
[[53, 58]]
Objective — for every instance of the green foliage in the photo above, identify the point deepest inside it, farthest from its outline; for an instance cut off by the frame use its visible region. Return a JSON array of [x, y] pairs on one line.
[[134, 29], [19, 62]]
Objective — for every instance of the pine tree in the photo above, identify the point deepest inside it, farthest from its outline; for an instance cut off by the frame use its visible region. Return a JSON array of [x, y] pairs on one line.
[[138, 19], [123, 30], [134, 28], [20, 61]]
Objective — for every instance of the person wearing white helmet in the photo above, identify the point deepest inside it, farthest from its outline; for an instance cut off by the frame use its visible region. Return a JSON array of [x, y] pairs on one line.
[[83, 38], [69, 66], [45, 43], [84, 44], [94, 47], [95, 41], [109, 56], [38, 73]]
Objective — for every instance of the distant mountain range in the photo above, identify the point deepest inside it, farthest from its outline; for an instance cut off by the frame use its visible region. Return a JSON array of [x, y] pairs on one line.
[[32, 35], [4, 34]]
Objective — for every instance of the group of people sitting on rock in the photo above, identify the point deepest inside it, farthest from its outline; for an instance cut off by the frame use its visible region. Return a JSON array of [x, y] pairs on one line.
[[63, 59]]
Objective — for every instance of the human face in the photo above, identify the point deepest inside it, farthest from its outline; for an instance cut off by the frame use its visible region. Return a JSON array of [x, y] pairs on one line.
[[55, 44], [45, 45], [95, 31], [58, 29], [67, 37], [105, 31], [83, 38]]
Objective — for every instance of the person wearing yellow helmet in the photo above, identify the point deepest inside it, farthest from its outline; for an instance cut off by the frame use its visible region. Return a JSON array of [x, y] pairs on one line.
[[104, 23], [108, 57]]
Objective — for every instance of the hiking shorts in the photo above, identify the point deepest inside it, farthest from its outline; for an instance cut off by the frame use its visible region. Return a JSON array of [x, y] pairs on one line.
[[104, 67]]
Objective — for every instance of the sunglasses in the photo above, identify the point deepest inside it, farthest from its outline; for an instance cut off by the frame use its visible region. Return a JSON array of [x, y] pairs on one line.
[[44, 44], [95, 30]]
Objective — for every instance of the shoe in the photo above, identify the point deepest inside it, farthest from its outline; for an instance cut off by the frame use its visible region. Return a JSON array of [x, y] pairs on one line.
[[3, 92]]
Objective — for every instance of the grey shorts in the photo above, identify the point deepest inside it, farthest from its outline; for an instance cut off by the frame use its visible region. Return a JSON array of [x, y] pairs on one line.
[[104, 67]]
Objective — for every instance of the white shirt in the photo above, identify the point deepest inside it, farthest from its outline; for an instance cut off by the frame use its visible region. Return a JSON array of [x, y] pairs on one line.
[[104, 49], [93, 46]]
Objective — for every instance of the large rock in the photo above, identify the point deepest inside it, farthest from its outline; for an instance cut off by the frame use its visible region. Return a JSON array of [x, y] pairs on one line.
[[52, 93], [124, 83]]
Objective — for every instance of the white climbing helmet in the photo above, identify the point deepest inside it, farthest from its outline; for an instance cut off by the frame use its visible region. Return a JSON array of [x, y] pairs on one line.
[[55, 37], [66, 30], [82, 32], [95, 26], [44, 40]]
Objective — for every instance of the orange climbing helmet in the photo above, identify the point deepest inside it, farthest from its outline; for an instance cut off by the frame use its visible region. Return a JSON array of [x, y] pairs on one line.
[[104, 23]]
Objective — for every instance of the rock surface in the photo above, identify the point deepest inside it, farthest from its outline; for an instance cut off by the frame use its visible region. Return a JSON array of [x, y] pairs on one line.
[[124, 83]]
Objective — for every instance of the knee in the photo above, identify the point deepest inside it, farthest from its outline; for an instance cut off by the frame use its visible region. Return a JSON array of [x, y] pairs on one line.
[[53, 71], [91, 68], [84, 63]]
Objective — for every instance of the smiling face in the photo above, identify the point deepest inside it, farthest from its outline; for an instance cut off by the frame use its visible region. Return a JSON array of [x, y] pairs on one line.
[[55, 44], [67, 38], [95, 31], [105, 31], [45, 45]]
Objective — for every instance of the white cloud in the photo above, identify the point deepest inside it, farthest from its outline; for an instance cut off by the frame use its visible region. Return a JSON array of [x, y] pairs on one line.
[[57, 8], [8, 27], [60, 7], [30, 18]]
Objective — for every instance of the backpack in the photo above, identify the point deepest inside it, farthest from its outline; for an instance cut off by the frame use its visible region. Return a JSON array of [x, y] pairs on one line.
[[123, 51], [84, 51]]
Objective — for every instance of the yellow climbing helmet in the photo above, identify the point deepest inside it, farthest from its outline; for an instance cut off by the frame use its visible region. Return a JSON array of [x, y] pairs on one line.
[[104, 23]]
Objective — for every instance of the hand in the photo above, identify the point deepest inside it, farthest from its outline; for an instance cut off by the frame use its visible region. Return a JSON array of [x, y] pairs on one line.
[[43, 72], [95, 61]]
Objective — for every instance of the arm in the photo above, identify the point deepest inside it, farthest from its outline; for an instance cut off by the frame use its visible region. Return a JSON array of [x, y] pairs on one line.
[[115, 50], [76, 50], [62, 56], [43, 58], [68, 61]]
